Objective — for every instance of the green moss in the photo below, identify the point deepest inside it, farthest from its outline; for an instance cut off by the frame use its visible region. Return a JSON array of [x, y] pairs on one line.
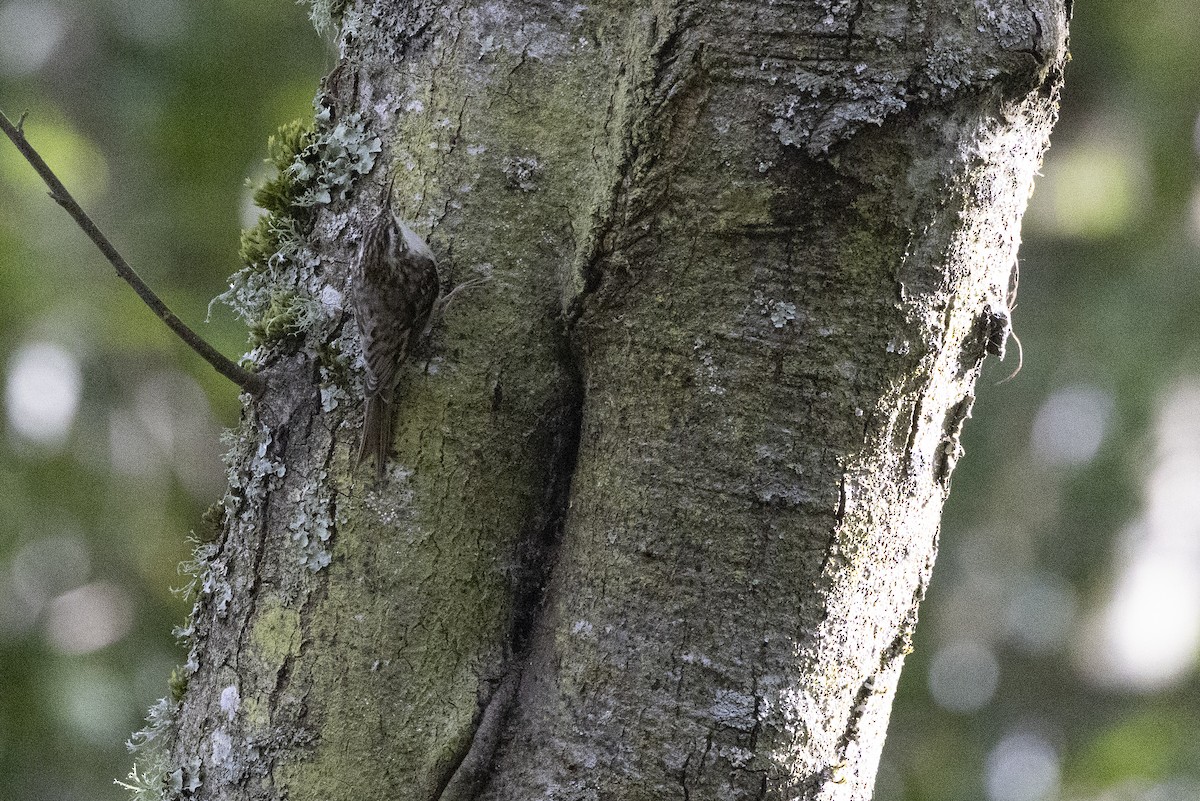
[[278, 228], [259, 243], [287, 315], [291, 143], [210, 523], [178, 684]]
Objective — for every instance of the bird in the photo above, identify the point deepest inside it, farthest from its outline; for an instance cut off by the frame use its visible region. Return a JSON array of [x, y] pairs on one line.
[[395, 290]]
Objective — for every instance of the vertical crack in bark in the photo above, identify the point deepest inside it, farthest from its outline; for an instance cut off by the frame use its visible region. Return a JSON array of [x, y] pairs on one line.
[[840, 514], [470, 769], [851, 25], [651, 108], [914, 428], [950, 447], [683, 778]]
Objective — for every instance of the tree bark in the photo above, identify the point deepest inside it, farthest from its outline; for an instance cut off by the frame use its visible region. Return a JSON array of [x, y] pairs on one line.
[[666, 490]]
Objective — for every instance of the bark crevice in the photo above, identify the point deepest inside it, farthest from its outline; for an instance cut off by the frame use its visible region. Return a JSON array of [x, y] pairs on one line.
[[467, 775]]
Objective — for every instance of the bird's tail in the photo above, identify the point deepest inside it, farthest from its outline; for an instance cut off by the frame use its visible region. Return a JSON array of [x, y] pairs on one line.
[[376, 433]]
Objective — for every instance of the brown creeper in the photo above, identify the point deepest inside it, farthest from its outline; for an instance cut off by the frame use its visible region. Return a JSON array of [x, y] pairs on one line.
[[395, 291]]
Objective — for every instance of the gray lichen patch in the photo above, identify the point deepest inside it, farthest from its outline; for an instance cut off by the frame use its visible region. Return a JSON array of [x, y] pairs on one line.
[[312, 524], [326, 15], [329, 165]]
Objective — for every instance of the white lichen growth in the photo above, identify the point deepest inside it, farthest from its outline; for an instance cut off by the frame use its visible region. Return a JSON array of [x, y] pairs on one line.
[[522, 172], [250, 289], [252, 474], [146, 785], [782, 313], [734, 709], [332, 396], [231, 701], [325, 14], [331, 298], [222, 749], [706, 370]]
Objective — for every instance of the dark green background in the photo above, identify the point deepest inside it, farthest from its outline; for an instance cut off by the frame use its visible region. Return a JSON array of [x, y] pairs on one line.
[[1077, 504]]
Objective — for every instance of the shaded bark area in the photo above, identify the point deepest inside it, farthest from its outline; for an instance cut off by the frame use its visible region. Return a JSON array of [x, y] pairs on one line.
[[667, 491]]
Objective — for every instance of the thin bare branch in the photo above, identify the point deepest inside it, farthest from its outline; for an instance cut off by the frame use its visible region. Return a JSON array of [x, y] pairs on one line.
[[248, 381]]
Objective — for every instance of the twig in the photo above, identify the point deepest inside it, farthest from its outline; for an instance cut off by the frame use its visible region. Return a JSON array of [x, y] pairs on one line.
[[248, 381]]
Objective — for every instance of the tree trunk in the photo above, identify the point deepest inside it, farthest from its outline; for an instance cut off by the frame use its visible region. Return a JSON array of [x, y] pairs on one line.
[[665, 491]]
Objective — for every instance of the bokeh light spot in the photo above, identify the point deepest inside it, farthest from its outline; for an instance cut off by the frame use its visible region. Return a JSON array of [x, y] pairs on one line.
[[1040, 612], [91, 701], [76, 160], [1091, 188], [1146, 637], [963, 676], [1174, 789], [154, 22], [1022, 767], [47, 567], [30, 30], [1149, 634], [42, 393], [1194, 216], [1071, 424], [89, 618]]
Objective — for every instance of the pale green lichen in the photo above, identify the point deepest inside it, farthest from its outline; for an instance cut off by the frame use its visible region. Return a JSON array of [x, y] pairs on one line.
[[782, 313], [281, 294], [252, 473], [146, 785], [158, 779], [277, 633], [333, 393]]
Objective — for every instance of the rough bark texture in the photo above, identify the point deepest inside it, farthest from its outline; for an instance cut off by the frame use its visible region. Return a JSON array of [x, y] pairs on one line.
[[666, 491]]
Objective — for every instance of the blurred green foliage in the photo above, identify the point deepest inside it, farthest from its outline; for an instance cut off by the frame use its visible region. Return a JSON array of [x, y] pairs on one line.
[[154, 113], [1025, 683]]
